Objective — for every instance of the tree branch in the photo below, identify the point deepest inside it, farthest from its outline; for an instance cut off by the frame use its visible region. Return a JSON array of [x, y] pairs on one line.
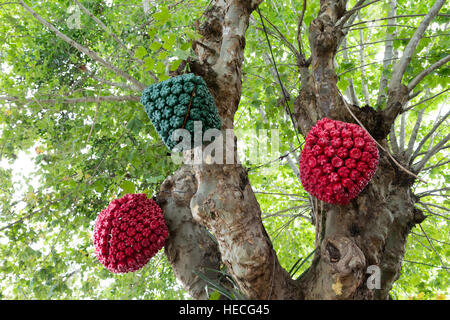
[[393, 141], [435, 166], [432, 246], [111, 83], [399, 16], [429, 134], [73, 100], [397, 92], [362, 66], [397, 39], [415, 131], [346, 30], [283, 39], [115, 37], [365, 88], [401, 66], [358, 6], [426, 264], [419, 166], [426, 193], [425, 100], [139, 86], [433, 239], [388, 55], [351, 92], [414, 82], [434, 205], [299, 31]]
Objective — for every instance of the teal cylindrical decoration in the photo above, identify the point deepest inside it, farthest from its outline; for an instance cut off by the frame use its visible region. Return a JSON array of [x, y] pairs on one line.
[[176, 103]]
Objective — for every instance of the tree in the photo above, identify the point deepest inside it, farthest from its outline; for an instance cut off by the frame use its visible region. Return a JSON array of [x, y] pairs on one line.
[[81, 113]]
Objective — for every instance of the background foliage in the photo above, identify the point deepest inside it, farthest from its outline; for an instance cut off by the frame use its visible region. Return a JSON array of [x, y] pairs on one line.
[[78, 157]]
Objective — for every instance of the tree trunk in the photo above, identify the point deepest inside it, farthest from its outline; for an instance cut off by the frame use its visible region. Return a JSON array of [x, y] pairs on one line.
[[370, 231]]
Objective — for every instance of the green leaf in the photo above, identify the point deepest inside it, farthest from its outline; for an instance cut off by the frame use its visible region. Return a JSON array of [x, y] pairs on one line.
[[149, 63], [99, 186], [135, 125], [154, 46], [163, 16], [169, 41], [193, 35], [140, 52], [185, 46], [160, 67], [182, 54], [127, 186], [175, 65]]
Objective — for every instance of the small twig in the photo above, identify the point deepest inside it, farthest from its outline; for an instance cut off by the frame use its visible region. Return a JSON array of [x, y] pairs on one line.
[[423, 245], [299, 30], [439, 146], [435, 166], [436, 240], [282, 194], [97, 106], [425, 100], [275, 160], [358, 6], [433, 205], [434, 213], [382, 148], [426, 264], [285, 210], [398, 16], [432, 247], [285, 94], [425, 193]]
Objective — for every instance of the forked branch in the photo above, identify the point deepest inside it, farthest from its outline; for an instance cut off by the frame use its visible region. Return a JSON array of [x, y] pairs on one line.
[[91, 54]]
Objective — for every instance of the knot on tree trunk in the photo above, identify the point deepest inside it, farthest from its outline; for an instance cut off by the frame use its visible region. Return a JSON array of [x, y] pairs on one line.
[[343, 254], [419, 217], [324, 37], [347, 266], [189, 248]]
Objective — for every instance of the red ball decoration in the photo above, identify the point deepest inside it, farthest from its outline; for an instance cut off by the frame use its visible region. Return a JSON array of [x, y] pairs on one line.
[[338, 161], [129, 232]]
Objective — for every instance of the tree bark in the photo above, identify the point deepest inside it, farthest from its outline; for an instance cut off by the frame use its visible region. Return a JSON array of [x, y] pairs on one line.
[[224, 201], [373, 228], [370, 231], [189, 248]]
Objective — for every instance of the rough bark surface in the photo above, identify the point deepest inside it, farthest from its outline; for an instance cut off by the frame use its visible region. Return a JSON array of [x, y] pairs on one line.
[[190, 248]]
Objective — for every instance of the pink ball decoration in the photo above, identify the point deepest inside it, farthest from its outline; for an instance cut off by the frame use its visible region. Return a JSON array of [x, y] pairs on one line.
[[338, 161], [129, 232]]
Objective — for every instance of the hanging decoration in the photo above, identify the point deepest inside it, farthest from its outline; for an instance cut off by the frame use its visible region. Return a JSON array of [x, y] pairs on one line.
[[129, 232], [338, 161], [176, 103]]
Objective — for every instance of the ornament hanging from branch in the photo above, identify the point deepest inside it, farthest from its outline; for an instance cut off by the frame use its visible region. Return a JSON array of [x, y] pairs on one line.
[[129, 232], [176, 103], [338, 161]]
